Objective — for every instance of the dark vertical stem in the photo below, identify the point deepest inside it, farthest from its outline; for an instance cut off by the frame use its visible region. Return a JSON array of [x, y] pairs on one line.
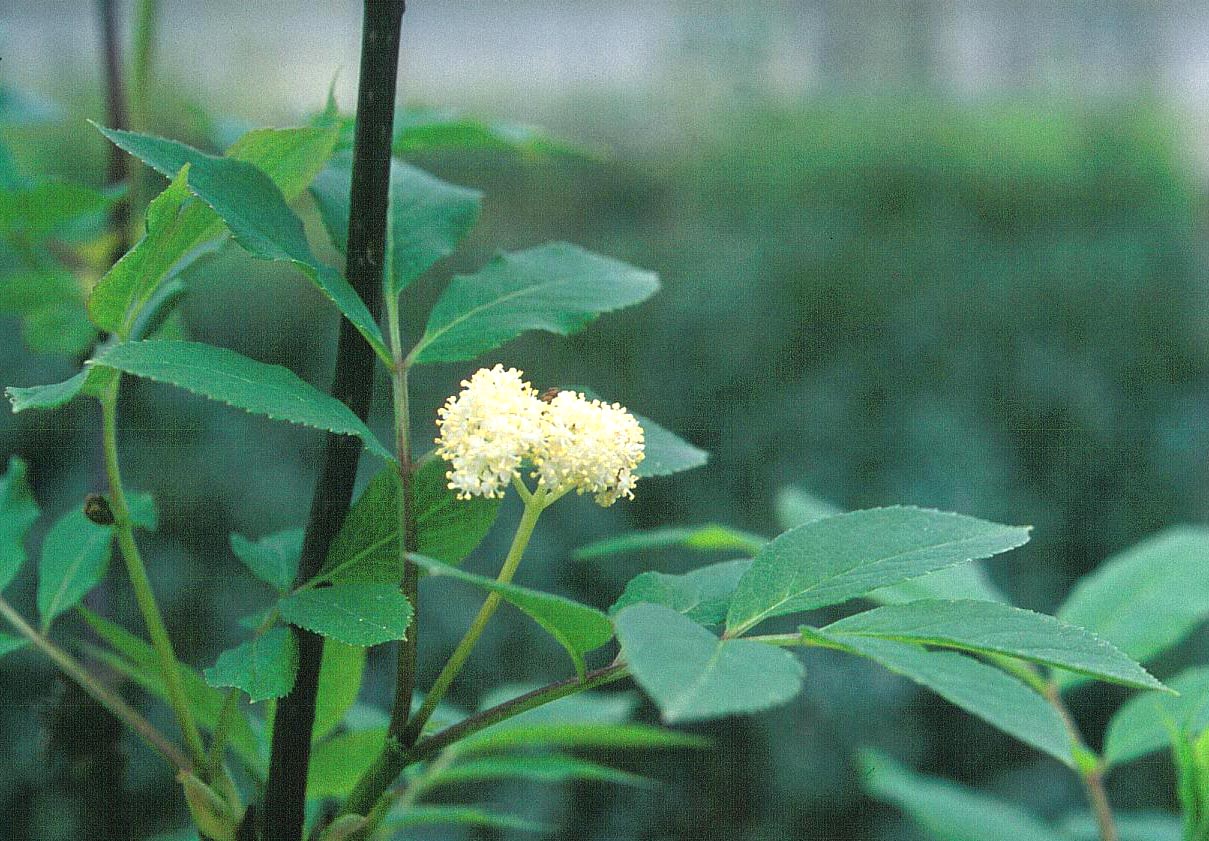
[[285, 791], [116, 116]]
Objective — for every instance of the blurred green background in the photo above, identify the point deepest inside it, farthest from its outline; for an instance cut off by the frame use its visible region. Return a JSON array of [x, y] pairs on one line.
[[948, 255]]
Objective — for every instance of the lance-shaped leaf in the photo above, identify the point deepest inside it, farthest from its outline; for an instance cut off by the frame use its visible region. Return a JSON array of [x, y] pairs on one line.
[[75, 555], [257, 213], [447, 528], [428, 216], [1147, 598], [35, 212], [554, 768], [339, 684], [558, 288], [424, 129], [577, 627], [400, 818], [966, 581], [978, 688], [1148, 722], [692, 675], [357, 614], [273, 558], [50, 396], [228, 377], [666, 453], [839, 558], [702, 595], [178, 230], [710, 537], [18, 510], [948, 811], [263, 667], [337, 762], [582, 735], [995, 628]]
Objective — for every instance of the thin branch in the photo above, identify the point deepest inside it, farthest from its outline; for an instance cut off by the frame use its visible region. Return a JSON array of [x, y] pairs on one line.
[[117, 115], [1093, 777]]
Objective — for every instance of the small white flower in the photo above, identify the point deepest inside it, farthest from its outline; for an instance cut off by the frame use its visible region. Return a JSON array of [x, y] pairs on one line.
[[487, 430], [588, 446]]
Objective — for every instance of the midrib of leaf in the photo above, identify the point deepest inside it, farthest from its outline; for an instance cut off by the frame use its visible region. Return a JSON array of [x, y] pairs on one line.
[[683, 699], [374, 547], [71, 571]]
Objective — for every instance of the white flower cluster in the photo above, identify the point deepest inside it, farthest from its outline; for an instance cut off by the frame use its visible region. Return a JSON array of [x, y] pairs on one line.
[[498, 421]]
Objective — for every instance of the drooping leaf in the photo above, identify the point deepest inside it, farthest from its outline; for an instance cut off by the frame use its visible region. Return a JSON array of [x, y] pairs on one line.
[[692, 675], [75, 555], [46, 396], [577, 627], [995, 628], [337, 762], [946, 810], [978, 688], [839, 558], [273, 558], [461, 816], [558, 288], [707, 538], [176, 230], [703, 595], [357, 614], [32, 213], [555, 768], [428, 217], [447, 528], [1147, 723], [425, 129], [254, 208], [1147, 598], [264, 667], [666, 453], [228, 377], [797, 507], [339, 684], [18, 510]]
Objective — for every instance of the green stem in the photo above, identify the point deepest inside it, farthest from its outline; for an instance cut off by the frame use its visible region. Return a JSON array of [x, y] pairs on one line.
[[524, 530], [141, 584], [145, 25], [1092, 773], [99, 692]]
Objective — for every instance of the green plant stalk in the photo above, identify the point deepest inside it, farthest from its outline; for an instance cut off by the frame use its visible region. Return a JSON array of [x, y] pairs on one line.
[[117, 115], [1091, 774], [146, 23], [143, 594], [108, 699]]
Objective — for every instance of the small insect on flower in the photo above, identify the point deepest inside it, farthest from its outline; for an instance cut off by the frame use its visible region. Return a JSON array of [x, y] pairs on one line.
[[487, 430], [588, 446]]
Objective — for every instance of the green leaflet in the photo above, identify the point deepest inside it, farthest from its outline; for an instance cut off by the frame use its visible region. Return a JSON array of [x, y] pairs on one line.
[[707, 538], [48, 396], [447, 528], [703, 595], [666, 453], [555, 768], [35, 212], [339, 684], [978, 688], [428, 217], [839, 558], [995, 628], [177, 230], [577, 627], [75, 556], [264, 667], [228, 377], [337, 762], [257, 213], [948, 811], [18, 510], [424, 129], [357, 614], [1148, 722], [1147, 598], [273, 558], [558, 288], [797, 507], [966, 581], [460, 815], [590, 735], [50, 304], [692, 675]]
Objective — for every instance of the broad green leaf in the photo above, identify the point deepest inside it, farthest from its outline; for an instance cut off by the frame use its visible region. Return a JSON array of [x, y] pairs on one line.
[[554, 768], [337, 762], [357, 614], [428, 217], [708, 538], [273, 558], [47, 396], [426, 129], [447, 528], [1148, 722], [137, 660], [339, 684], [50, 303], [1131, 826], [228, 377], [978, 688], [18, 510], [692, 675], [9, 644], [995, 628], [797, 507], [458, 815], [590, 735], [263, 667], [558, 288], [256, 211], [1147, 598], [666, 453], [839, 558], [702, 595], [967, 581], [577, 627], [176, 233], [75, 555], [948, 811], [35, 212]]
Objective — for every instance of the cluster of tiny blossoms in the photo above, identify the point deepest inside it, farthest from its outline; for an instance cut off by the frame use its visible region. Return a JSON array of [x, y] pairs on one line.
[[498, 421]]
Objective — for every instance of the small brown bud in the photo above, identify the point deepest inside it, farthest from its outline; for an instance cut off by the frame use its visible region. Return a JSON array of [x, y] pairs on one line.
[[549, 394], [96, 508]]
